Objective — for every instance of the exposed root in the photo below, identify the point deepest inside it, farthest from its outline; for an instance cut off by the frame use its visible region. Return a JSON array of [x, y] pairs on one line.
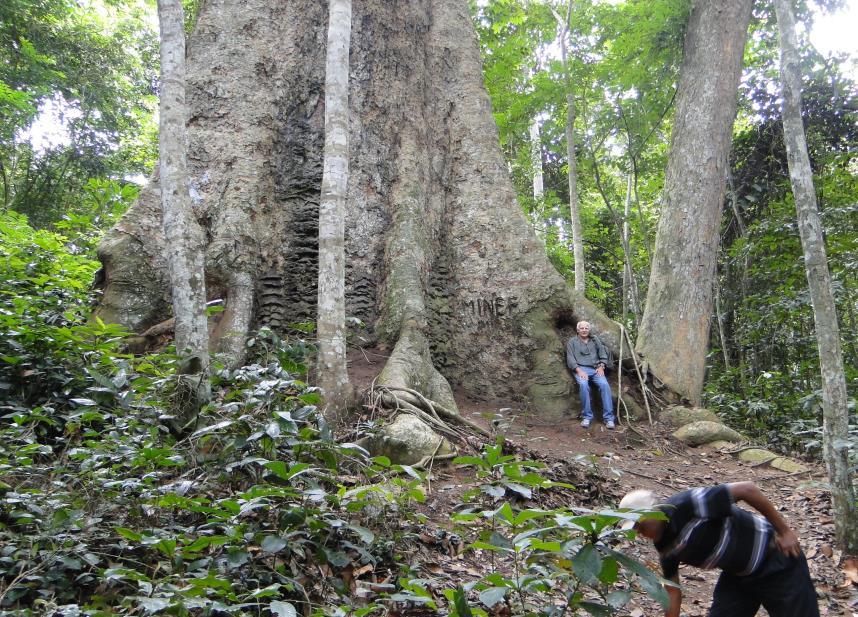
[[433, 408], [410, 366], [390, 401], [386, 398]]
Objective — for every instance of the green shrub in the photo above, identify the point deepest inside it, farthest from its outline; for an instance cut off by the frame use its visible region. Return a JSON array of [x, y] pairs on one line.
[[45, 342]]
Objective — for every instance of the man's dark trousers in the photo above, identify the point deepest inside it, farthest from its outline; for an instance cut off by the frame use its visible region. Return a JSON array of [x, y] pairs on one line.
[[782, 585]]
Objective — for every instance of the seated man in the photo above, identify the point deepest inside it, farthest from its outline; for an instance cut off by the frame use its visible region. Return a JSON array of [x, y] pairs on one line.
[[759, 557], [587, 356]]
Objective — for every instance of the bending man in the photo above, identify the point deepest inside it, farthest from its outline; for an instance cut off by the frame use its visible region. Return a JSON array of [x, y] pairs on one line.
[[759, 556]]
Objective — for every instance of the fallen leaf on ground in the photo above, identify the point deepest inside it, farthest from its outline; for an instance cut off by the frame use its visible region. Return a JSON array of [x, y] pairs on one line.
[[850, 569]]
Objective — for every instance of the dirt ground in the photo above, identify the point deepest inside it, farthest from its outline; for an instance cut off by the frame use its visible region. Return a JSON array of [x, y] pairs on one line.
[[637, 456]]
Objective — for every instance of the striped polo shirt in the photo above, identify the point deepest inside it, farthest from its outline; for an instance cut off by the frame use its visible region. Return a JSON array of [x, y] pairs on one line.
[[706, 530]]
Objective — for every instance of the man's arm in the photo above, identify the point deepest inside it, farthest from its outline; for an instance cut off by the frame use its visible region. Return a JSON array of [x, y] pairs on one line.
[[570, 356], [601, 356], [601, 351], [749, 493], [675, 595]]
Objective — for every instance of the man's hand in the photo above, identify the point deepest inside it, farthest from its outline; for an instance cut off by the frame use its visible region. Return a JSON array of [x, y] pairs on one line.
[[788, 543], [580, 372], [600, 371]]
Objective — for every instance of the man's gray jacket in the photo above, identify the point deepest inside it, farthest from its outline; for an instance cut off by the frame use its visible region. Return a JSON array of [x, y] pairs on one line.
[[592, 353]]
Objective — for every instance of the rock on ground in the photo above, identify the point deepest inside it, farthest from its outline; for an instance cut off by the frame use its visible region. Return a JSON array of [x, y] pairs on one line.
[[705, 431], [676, 416], [407, 440]]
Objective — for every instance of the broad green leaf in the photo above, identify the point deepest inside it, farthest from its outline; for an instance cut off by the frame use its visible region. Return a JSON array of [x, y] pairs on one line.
[[153, 605], [504, 512], [618, 598], [493, 595], [469, 460], [529, 515], [273, 544], [493, 490], [600, 610], [129, 534], [650, 582], [363, 533], [610, 571], [551, 547], [460, 603], [267, 592], [587, 564], [282, 609], [336, 558]]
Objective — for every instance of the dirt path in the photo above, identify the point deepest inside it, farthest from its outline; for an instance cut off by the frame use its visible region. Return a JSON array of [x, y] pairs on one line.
[[644, 456]]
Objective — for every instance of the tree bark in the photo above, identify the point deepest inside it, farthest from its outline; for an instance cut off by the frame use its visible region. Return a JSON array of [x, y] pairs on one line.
[[834, 398], [182, 233], [331, 310], [674, 333], [440, 261]]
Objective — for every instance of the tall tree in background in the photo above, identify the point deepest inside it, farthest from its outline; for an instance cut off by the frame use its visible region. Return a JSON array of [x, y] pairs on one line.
[[183, 238], [834, 398], [331, 310], [564, 24], [674, 331], [90, 75]]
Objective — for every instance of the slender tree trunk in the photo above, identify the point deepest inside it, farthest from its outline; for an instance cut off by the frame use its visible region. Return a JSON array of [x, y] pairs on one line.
[[626, 277], [722, 333], [182, 232], [574, 206], [734, 202], [674, 333], [331, 308], [852, 330], [835, 424], [630, 284], [536, 159]]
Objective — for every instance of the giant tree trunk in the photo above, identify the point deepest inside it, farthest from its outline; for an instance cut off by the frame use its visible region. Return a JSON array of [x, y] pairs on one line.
[[184, 246], [674, 332], [331, 307], [439, 257], [835, 426]]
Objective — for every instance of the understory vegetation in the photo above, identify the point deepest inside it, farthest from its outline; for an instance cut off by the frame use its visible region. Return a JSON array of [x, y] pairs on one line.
[[259, 511]]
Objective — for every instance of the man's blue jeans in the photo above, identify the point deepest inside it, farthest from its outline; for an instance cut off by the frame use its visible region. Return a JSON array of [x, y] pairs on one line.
[[604, 390]]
